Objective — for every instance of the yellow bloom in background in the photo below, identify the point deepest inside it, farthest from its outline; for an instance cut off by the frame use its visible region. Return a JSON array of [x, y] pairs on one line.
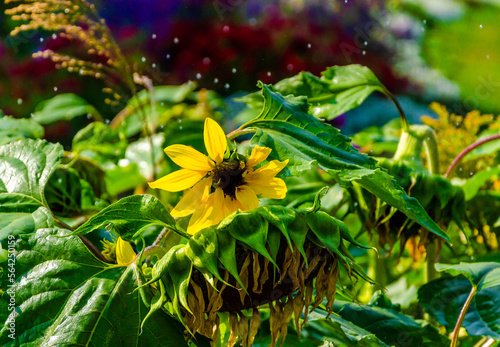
[[219, 186], [124, 252]]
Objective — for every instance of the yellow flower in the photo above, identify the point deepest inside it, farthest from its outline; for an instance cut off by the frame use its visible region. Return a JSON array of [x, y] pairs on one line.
[[124, 252], [220, 184]]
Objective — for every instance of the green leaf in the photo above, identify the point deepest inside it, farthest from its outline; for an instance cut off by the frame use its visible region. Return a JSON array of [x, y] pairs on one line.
[[63, 107], [24, 222], [292, 134], [12, 129], [119, 179], [340, 89], [476, 182], [130, 216], [99, 142], [444, 299], [139, 152], [339, 331], [481, 275], [386, 189], [25, 167], [139, 107], [66, 296], [393, 328]]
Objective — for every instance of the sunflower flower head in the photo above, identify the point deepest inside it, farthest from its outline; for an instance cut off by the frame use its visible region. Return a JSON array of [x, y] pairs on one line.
[[222, 182]]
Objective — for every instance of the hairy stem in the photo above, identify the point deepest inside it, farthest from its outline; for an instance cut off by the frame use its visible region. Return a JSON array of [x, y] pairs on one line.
[[461, 317], [468, 150], [240, 132]]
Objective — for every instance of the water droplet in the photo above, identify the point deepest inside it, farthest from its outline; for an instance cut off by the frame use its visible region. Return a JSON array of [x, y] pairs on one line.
[[180, 128], [487, 57], [19, 101], [153, 36], [198, 75], [424, 21], [216, 80], [162, 126], [289, 67], [81, 71], [32, 115], [233, 70], [41, 39], [143, 59], [97, 75], [460, 169], [55, 89], [54, 36], [206, 61], [269, 74], [364, 52], [176, 40], [470, 173], [66, 10], [179, 120], [345, 1], [59, 180], [227, 86], [226, 29], [308, 45], [167, 56], [252, 22], [335, 80], [371, 150], [480, 26], [106, 121], [365, 43], [153, 66], [89, 116], [355, 204]]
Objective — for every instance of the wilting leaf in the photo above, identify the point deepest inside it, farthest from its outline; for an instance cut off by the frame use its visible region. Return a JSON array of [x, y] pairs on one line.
[[66, 296]]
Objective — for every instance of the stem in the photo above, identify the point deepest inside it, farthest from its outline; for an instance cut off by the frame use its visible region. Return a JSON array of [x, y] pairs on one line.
[[404, 121], [469, 149], [461, 317], [430, 272], [431, 148], [240, 132]]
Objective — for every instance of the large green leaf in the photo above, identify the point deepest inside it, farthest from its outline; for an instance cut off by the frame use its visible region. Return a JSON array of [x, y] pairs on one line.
[[340, 89], [12, 129], [63, 107], [390, 326], [284, 126], [24, 222], [444, 298], [25, 168], [66, 296], [130, 216]]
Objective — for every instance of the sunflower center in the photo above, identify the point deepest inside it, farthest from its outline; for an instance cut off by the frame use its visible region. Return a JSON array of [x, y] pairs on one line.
[[228, 175]]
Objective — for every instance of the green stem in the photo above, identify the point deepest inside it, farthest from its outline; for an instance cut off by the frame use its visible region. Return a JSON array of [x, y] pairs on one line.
[[430, 272], [240, 132], [461, 317], [404, 121]]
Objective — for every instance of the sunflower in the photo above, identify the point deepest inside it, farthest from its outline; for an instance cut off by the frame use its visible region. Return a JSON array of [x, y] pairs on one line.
[[222, 182]]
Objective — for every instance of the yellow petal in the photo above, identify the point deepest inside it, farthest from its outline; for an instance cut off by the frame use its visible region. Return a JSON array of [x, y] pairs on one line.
[[274, 188], [231, 205], [189, 158], [211, 212], [215, 140], [178, 180], [258, 155], [124, 252], [247, 198], [201, 217], [192, 199], [267, 171]]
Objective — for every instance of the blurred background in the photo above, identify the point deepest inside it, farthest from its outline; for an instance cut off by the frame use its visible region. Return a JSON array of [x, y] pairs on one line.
[[423, 51]]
